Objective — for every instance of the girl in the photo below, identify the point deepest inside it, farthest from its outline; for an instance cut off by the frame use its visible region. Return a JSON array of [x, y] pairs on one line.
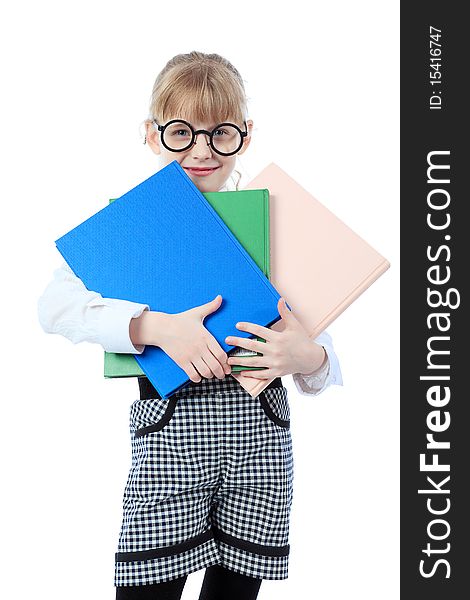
[[210, 484]]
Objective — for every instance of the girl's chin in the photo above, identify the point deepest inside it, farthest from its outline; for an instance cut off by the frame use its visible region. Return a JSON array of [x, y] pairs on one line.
[[206, 184], [205, 188]]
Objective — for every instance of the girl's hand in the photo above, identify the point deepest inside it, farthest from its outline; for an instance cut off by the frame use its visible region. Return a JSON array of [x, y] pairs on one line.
[[185, 339], [284, 352]]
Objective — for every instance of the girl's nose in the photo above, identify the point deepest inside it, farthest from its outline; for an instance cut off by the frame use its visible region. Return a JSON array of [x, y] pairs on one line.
[[201, 148]]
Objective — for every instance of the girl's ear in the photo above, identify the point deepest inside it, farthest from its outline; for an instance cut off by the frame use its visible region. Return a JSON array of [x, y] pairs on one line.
[[152, 137], [247, 139]]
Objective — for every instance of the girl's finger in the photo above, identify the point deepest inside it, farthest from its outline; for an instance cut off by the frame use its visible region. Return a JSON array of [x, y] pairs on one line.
[[259, 374], [219, 354], [202, 368], [214, 365], [191, 372], [248, 361], [259, 330], [247, 344]]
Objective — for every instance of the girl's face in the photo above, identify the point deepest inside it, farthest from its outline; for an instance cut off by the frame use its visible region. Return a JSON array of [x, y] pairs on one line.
[[207, 170]]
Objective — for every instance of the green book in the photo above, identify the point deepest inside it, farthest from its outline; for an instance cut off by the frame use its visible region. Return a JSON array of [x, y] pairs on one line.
[[246, 214]]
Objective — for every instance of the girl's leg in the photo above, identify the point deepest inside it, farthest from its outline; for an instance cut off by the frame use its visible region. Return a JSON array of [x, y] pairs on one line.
[[167, 590], [222, 584]]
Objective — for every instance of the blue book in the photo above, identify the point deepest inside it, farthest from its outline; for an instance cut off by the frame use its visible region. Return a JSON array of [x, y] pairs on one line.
[[164, 245]]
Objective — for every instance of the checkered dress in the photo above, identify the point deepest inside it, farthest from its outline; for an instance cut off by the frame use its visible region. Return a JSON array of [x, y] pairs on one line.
[[210, 483]]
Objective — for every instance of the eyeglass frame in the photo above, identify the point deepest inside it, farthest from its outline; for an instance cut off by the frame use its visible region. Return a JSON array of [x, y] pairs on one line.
[[162, 128]]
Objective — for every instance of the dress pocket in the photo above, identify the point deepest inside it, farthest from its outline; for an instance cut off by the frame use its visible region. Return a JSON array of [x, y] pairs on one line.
[[275, 405], [151, 414]]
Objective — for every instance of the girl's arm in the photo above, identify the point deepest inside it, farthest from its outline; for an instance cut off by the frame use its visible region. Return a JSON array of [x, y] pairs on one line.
[[68, 308], [329, 373]]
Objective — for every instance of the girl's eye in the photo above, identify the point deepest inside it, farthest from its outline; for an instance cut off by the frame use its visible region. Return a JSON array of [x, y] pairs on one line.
[[220, 132], [180, 132]]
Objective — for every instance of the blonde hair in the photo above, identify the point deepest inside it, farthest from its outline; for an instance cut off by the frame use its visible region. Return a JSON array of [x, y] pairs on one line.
[[199, 86]]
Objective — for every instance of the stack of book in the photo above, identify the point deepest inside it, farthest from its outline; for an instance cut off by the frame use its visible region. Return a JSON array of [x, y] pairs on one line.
[[166, 244]]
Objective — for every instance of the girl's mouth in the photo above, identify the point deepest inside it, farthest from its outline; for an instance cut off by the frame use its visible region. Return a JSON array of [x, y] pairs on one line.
[[200, 171]]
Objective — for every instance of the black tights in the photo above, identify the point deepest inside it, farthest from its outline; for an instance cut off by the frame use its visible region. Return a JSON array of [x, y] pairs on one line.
[[219, 584]]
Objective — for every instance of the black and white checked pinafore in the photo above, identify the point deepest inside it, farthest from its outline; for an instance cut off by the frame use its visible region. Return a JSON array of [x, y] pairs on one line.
[[211, 482]]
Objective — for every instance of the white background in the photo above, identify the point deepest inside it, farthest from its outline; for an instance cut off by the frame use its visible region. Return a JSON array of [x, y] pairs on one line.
[[76, 81]]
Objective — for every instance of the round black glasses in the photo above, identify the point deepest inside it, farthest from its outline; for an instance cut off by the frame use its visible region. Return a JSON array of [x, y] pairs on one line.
[[178, 135]]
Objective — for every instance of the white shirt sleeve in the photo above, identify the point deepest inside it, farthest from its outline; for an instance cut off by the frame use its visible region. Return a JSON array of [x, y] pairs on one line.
[[68, 308], [328, 374]]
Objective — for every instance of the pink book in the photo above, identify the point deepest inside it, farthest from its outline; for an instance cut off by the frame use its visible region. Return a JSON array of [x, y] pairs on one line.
[[318, 264]]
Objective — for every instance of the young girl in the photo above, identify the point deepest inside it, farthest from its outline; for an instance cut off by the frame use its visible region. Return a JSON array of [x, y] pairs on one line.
[[210, 484]]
